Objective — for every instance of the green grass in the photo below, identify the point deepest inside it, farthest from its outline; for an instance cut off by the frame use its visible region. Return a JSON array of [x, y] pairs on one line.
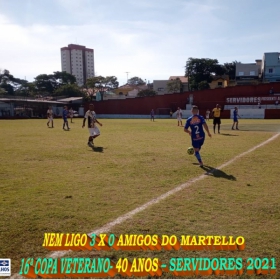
[[52, 182]]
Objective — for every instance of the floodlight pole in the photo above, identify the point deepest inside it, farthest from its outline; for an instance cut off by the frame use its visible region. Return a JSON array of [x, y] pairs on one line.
[[127, 77]]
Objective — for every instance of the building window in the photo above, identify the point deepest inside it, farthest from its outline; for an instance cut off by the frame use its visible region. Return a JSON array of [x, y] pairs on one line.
[[270, 70], [252, 73], [241, 74], [220, 83], [160, 89]]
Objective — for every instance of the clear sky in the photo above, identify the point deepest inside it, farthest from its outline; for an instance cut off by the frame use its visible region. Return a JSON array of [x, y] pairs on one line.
[[150, 39]]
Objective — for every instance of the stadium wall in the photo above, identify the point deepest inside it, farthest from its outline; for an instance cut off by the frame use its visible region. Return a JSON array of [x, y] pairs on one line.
[[206, 99], [272, 114]]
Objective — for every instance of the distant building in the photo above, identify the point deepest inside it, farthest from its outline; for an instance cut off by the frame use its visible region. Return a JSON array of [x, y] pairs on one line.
[[271, 67], [130, 90], [78, 61], [219, 81], [248, 73], [184, 81], [160, 86]]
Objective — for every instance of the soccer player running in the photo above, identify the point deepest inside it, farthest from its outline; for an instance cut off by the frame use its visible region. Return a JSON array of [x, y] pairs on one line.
[[197, 124], [217, 118], [64, 116], [235, 119], [94, 132], [50, 116]]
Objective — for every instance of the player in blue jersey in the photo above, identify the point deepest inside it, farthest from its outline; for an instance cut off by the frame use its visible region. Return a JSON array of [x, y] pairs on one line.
[[197, 124], [235, 119], [152, 115], [64, 116]]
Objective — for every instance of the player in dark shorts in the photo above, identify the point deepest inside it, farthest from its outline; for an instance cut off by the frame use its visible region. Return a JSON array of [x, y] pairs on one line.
[[235, 119], [217, 118], [197, 125], [64, 116]]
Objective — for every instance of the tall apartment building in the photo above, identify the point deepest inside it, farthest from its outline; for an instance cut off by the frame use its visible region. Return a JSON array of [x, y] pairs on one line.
[[78, 61]]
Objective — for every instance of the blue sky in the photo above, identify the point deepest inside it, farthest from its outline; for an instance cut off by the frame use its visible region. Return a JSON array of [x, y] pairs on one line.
[[150, 39]]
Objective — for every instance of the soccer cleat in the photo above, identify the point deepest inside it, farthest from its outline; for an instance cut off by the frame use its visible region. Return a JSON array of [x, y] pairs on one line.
[[200, 163], [232, 128], [90, 144], [237, 128]]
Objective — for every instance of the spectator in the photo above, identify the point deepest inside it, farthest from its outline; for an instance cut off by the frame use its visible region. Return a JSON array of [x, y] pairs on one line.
[[271, 91]]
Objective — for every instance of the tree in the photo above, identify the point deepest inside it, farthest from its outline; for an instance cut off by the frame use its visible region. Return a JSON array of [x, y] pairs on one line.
[[46, 84], [174, 85], [2, 91], [202, 69], [103, 84], [49, 83], [69, 90], [64, 78], [31, 88], [9, 83], [230, 69], [135, 81], [203, 85], [146, 92], [9, 90]]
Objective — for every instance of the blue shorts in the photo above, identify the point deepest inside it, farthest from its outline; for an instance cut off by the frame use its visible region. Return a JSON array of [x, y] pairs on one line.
[[197, 143], [235, 119], [65, 119]]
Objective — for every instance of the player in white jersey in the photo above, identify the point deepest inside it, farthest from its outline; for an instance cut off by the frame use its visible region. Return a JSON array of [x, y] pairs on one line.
[[207, 114], [50, 117], [94, 132], [179, 115], [71, 114]]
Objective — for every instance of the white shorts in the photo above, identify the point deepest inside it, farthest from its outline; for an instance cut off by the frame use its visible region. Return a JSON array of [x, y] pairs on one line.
[[50, 119], [179, 118], [93, 131]]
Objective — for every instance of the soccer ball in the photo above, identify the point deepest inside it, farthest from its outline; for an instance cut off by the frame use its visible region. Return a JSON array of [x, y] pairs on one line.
[[190, 151]]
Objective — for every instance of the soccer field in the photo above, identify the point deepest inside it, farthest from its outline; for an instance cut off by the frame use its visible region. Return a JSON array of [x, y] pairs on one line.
[[51, 181]]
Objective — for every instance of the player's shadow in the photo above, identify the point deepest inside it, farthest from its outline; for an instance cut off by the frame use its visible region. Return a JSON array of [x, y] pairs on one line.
[[97, 149], [211, 171], [227, 134]]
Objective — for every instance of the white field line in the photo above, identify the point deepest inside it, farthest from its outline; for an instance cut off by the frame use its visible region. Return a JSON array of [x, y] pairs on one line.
[[123, 218]]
